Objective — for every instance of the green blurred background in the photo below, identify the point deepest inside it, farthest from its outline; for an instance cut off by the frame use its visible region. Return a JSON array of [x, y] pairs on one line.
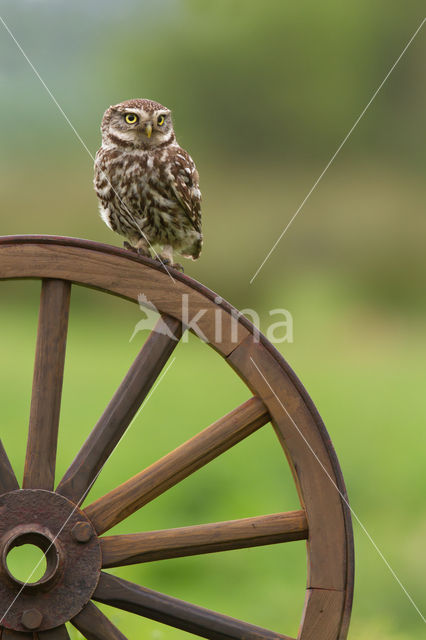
[[262, 95]]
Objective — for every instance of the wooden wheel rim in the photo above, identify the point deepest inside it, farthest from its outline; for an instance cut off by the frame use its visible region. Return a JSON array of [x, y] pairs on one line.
[[297, 423]]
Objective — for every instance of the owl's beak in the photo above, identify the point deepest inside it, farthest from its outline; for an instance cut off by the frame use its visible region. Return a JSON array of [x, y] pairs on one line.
[[148, 129]]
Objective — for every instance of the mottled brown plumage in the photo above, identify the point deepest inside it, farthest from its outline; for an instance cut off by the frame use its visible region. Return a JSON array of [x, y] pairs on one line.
[[147, 185]]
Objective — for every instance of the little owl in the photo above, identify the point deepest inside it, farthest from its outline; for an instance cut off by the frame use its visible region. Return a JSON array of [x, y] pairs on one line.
[[146, 183]]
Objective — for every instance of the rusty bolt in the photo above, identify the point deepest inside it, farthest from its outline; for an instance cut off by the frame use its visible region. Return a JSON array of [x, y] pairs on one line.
[[82, 532], [31, 618]]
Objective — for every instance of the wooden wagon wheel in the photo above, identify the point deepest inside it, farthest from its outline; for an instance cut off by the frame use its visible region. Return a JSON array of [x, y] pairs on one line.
[[76, 551]]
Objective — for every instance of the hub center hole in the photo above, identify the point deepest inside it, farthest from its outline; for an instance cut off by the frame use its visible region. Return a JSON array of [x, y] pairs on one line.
[[26, 563], [31, 558]]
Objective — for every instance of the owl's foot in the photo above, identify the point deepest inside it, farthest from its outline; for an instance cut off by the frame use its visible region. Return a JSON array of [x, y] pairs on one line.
[[129, 247], [143, 252], [166, 257], [140, 251], [166, 262]]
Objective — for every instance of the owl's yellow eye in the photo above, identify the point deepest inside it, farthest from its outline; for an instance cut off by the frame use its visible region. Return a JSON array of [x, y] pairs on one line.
[[131, 118], [160, 120]]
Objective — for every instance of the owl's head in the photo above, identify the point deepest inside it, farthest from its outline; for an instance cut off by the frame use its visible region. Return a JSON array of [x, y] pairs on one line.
[[139, 123]]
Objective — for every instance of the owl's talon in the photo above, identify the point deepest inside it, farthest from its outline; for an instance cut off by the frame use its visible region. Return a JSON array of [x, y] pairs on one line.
[[177, 266], [162, 260], [129, 247], [143, 252]]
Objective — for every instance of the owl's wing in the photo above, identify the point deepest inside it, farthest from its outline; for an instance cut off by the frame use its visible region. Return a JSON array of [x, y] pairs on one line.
[[185, 186]]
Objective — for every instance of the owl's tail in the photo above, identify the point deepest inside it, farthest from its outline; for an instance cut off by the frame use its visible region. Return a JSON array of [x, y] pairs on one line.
[[194, 250]]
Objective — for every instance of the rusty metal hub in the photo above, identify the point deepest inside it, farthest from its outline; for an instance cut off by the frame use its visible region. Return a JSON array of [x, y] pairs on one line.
[[73, 559]]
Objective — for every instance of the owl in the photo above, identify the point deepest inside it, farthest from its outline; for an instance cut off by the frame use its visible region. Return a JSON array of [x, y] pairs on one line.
[[147, 185]]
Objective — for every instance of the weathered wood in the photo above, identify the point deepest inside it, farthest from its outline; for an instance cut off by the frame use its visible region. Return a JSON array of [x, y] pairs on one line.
[[8, 481], [322, 611], [177, 613], [124, 274], [59, 633], [94, 625], [119, 503], [121, 410], [39, 472], [349, 587], [309, 460], [206, 538]]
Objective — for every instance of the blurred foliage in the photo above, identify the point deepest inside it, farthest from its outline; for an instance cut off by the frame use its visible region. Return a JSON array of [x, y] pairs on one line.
[[248, 77], [275, 79], [262, 95]]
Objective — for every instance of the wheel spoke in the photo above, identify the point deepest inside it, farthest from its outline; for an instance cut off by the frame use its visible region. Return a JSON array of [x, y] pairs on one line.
[[59, 633], [118, 551], [121, 410], [94, 625], [8, 481], [176, 613], [40, 460], [177, 465]]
